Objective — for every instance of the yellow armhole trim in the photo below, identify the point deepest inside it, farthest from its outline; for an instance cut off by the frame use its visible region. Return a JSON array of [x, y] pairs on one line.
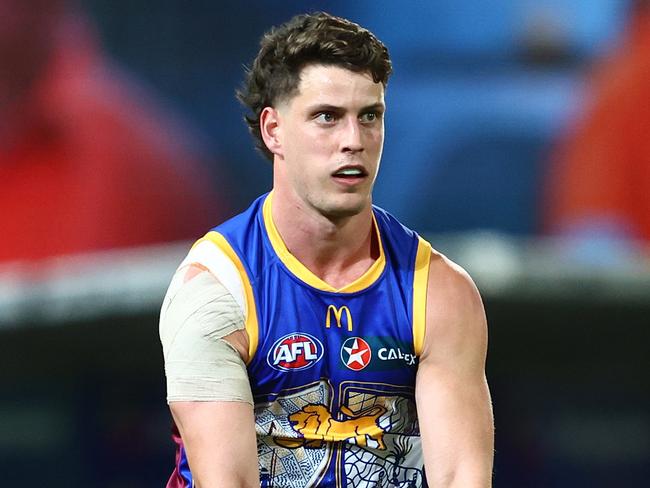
[[251, 324], [420, 283], [304, 274]]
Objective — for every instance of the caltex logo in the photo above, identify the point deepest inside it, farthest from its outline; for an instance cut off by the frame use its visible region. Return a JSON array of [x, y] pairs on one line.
[[294, 352], [355, 353]]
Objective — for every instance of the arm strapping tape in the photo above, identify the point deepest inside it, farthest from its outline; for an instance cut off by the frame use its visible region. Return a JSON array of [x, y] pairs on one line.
[[199, 364]]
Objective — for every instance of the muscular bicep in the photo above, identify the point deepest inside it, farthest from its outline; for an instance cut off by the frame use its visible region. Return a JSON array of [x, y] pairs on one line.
[[452, 395]]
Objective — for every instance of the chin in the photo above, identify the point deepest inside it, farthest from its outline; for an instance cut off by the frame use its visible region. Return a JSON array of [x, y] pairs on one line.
[[342, 210]]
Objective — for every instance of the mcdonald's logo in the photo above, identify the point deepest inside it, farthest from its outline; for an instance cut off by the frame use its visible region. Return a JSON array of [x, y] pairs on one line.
[[338, 316]]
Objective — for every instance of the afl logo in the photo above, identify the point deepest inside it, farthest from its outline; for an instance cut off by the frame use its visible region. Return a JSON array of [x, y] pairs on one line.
[[294, 352], [355, 353]]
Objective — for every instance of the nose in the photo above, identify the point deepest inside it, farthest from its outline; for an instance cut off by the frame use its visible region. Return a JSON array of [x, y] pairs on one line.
[[351, 139]]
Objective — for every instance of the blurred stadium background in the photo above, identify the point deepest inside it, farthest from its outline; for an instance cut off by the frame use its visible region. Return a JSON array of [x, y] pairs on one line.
[[480, 93]]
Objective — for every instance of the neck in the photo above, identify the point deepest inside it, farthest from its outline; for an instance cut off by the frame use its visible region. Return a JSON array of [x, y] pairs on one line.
[[338, 251]]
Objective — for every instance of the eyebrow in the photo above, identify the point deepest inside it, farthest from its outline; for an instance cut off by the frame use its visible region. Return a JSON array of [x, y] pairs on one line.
[[325, 107]]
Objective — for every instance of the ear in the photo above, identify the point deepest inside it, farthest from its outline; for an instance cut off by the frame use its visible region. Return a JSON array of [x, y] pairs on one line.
[[270, 130]]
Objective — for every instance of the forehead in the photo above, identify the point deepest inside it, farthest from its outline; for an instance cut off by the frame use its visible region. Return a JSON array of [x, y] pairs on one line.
[[334, 85]]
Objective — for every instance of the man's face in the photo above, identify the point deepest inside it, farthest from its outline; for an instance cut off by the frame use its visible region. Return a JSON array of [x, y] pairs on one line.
[[331, 136]]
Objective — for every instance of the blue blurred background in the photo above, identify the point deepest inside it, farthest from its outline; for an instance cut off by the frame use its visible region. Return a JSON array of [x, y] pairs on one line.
[[479, 91], [481, 94]]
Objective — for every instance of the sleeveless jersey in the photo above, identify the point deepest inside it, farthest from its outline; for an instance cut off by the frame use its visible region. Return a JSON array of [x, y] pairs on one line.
[[332, 370]]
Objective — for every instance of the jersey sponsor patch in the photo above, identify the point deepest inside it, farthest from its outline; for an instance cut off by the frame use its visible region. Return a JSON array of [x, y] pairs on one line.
[[376, 354], [295, 352], [356, 353], [396, 354]]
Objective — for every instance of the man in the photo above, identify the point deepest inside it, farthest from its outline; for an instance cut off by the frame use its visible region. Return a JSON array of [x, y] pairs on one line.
[[365, 349]]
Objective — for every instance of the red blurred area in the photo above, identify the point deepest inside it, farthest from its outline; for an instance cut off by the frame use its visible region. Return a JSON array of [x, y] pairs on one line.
[[88, 160], [600, 177]]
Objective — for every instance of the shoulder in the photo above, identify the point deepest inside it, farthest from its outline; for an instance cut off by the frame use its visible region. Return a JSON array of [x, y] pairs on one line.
[[450, 281], [389, 222], [399, 241], [208, 255], [455, 317]]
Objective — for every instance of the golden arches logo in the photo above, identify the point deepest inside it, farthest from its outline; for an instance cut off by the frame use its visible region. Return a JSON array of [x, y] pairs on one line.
[[338, 316]]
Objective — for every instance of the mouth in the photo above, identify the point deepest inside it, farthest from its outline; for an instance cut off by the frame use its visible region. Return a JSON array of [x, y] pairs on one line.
[[351, 173]]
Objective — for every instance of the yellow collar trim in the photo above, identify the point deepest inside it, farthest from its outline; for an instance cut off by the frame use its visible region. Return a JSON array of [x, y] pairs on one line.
[[304, 274]]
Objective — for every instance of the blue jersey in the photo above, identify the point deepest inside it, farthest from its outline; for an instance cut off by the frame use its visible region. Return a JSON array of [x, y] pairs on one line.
[[332, 370]]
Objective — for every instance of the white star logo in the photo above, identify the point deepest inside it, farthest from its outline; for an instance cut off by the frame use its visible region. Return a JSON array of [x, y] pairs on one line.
[[358, 354]]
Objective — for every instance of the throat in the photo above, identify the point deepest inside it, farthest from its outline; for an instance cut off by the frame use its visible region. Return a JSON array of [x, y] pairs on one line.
[[325, 254], [340, 264], [339, 278]]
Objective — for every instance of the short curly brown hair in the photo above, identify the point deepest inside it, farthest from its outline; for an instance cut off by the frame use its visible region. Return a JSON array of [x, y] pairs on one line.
[[316, 38]]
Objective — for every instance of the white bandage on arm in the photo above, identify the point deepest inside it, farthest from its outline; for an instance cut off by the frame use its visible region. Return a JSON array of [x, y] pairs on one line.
[[199, 364]]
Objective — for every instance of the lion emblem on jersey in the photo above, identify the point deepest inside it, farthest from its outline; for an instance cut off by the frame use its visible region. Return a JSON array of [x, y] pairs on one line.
[[316, 426]]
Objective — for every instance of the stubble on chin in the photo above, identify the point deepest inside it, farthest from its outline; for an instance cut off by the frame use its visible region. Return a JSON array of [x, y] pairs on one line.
[[338, 211]]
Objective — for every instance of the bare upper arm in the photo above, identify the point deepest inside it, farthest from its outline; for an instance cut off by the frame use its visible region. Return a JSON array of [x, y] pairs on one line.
[[205, 346], [456, 328], [452, 396]]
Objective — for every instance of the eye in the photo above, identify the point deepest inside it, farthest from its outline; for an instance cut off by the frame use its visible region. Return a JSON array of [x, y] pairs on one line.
[[325, 117], [369, 117]]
